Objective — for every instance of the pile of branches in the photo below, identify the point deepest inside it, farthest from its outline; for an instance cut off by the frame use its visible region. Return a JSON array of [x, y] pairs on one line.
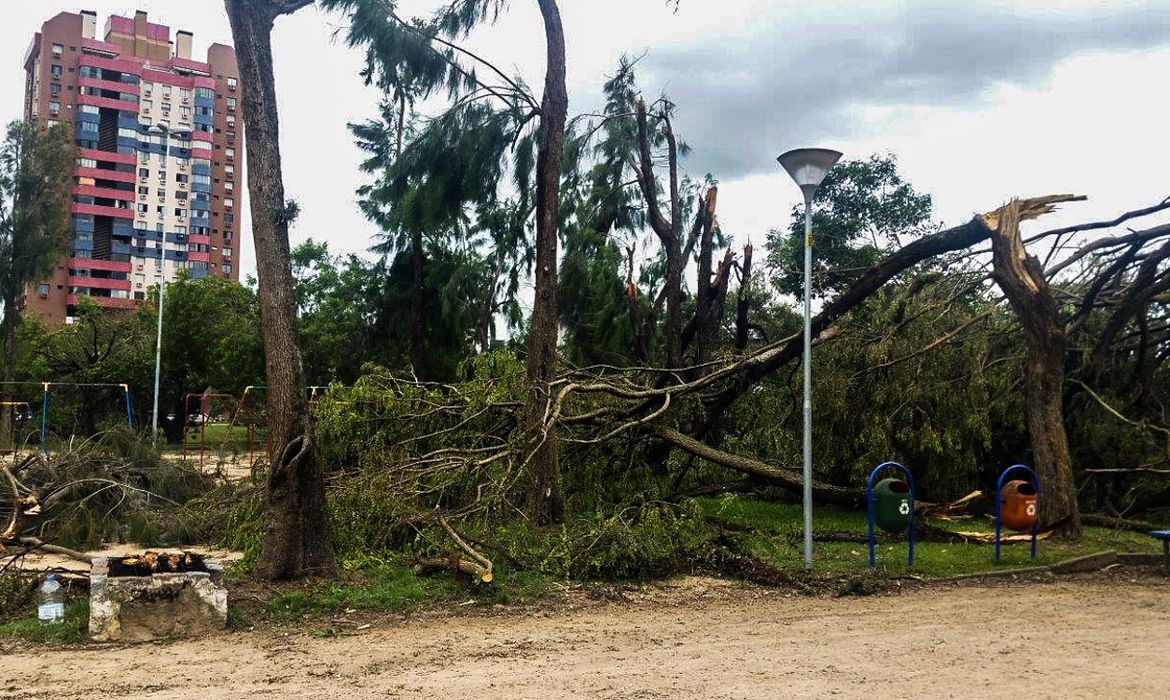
[[107, 488]]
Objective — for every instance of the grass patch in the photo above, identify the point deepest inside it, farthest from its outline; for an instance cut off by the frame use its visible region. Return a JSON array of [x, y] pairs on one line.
[[772, 532], [70, 631], [378, 585]]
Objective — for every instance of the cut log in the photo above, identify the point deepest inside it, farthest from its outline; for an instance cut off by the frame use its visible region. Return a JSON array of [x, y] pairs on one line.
[[454, 565]]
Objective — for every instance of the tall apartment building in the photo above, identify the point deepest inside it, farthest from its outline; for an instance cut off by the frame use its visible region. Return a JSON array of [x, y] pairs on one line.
[[159, 156]]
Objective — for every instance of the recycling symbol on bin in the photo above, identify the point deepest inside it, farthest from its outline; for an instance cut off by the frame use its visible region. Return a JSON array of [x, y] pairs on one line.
[[1031, 509], [904, 508]]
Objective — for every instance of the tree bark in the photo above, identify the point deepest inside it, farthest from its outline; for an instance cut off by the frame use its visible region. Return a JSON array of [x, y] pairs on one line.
[[297, 535], [1021, 277], [547, 497], [705, 298]]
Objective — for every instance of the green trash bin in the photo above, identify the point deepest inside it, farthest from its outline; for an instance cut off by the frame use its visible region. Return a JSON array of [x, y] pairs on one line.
[[891, 511]]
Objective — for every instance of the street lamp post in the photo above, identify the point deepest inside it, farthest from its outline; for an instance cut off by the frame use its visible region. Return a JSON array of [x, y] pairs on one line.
[[162, 282], [157, 363], [808, 167]]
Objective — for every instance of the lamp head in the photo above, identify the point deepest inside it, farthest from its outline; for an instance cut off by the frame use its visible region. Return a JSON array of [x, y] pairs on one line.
[[808, 167]]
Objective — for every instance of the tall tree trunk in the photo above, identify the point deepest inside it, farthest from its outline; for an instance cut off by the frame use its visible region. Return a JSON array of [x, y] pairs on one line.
[[7, 428], [1021, 277], [297, 535], [417, 327], [548, 499]]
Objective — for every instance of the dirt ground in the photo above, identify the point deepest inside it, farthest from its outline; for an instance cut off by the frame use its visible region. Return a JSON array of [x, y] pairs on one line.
[[694, 638]]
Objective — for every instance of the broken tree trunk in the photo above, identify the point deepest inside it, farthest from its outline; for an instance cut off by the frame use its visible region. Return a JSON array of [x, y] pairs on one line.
[[789, 480], [1021, 277]]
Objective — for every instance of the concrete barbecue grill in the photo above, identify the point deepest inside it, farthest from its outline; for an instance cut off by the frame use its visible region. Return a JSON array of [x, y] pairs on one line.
[[138, 598]]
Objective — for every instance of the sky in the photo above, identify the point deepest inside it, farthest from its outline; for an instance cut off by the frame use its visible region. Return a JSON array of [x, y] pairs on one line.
[[979, 100]]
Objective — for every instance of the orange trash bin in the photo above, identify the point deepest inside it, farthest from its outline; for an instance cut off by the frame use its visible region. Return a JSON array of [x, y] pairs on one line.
[[1018, 511]]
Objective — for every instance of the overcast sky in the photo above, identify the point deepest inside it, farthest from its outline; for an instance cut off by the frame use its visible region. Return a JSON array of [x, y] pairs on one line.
[[980, 100]]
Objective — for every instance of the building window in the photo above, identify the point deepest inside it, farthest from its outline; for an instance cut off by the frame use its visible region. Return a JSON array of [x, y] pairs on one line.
[[231, 103], [43, 289], [181, 212], [229, 202], [55, 69], [144, 172], [54, 88], [147, 105], [227, 252], [54, 108], [230, 153], [229, 170], [229, 186], [86, 163], [227, 269], [184, 95], [232, 82], [142, 208], [205, 93], [89, 127], [58, 50], [89, 109], [166, 91], [180, 177]]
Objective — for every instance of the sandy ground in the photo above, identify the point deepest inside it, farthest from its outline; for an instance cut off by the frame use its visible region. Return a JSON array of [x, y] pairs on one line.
[[694, 638]]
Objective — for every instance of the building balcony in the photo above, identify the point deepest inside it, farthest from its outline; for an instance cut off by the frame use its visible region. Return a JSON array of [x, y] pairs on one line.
[[114, 85], [98, 210], [99, 174], [103, 302], [108, 156], [98, 283], [91, 264], [94, 191], [107, 102]]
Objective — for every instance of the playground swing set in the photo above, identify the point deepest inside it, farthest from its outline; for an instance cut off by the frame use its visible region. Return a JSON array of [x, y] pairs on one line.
[[46, 392], [245, 412]]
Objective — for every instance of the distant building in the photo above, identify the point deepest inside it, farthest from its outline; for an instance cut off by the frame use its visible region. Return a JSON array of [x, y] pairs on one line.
[[160, 150]]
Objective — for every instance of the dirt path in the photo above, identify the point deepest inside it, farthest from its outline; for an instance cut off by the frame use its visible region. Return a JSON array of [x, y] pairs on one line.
[[697, 639]]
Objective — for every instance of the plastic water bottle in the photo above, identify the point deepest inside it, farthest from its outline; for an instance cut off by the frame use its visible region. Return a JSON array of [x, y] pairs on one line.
[[51, 596]]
